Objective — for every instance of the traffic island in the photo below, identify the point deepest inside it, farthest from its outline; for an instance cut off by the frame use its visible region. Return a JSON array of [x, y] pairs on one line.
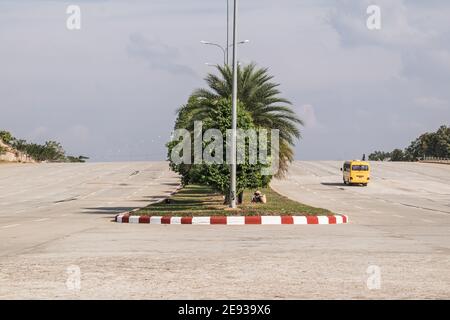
[[200, 205]]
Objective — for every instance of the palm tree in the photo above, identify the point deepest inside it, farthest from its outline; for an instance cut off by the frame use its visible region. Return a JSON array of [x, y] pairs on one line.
[[260, 97]]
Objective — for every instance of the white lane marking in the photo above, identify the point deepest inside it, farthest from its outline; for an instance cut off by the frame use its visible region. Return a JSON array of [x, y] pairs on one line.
[[41, 220], [358, 207], [10, 226], [427, 221], [439, 213], [398, 216]]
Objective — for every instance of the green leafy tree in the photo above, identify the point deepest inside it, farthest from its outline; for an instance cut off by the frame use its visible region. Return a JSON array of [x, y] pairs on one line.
[[259, 96], [430, 144], [397, 155], [79, 159], [379, 156], [50, 151], [6, 137], [435, 144], [218, 175]]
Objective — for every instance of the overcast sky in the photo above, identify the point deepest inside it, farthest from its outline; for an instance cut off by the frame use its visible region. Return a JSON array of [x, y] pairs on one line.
[[110, 90]]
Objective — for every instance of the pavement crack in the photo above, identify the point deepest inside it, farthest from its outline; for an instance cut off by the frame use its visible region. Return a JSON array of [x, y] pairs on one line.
[[66, 200], [423, 208]]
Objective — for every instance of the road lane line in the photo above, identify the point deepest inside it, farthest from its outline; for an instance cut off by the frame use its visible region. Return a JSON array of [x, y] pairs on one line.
[[10, 226], [398, 216], [41, 220], [427, 221]]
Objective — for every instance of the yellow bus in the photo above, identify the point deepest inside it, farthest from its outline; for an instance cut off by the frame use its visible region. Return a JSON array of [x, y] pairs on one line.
[[356, 172]]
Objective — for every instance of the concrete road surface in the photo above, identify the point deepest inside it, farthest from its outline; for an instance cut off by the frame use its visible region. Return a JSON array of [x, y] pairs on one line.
[[57, 241]]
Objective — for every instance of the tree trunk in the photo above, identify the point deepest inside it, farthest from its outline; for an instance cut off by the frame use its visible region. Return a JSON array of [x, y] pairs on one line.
[[227, 199], [240, 198]]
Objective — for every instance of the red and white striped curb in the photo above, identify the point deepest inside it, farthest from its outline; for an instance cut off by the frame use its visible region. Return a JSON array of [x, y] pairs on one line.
[[233, 220]]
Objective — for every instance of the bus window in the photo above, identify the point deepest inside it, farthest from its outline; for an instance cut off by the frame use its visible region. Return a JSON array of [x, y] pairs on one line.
[[360, 168]]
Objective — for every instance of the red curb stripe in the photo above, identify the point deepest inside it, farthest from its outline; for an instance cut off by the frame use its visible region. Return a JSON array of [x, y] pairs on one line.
[[253, 220], [312, 220], [218, 220], [287, 220], [222, 220], [166, 220], [186, 220], [144, 219]]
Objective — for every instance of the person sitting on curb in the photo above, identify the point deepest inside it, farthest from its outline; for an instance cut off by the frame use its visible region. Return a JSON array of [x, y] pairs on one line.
[[258, 197]]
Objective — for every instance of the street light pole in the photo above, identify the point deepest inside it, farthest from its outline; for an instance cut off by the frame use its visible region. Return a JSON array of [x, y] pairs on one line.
[[224, 50], [234, 111], [228, 30], [218, 46]]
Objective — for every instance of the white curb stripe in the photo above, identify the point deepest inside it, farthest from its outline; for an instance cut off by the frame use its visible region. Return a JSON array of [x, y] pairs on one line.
[[155, 220], [271, 220], [175, 220], [300, 220], [323, 220], [134, 219], [339, 220], [201, 220], [119, 219], [235, 220]]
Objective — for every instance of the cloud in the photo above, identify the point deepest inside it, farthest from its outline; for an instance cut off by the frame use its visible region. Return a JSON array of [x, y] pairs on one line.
[[406, 28], [157, 54], [431, 103], [397, 28]]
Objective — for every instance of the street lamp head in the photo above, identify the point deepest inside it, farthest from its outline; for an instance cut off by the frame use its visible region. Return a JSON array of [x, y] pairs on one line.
[[205, 42], [245, 41]]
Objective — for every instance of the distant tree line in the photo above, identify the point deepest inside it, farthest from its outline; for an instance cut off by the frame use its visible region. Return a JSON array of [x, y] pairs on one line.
[[434, 144], [51, 151]]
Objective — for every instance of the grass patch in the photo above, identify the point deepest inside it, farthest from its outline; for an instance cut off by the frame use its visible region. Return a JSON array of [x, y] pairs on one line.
[[195, 200]]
